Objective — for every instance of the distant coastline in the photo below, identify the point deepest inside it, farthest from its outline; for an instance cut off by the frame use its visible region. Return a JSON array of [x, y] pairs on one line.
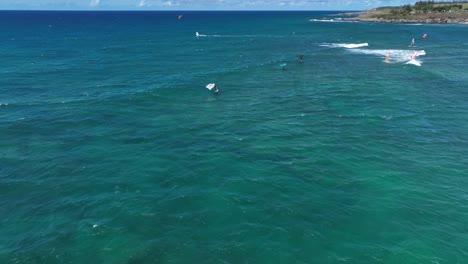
[[421, 12]]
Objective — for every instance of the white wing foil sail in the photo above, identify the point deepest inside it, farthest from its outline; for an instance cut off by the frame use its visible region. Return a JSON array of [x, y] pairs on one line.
[[210, 86]]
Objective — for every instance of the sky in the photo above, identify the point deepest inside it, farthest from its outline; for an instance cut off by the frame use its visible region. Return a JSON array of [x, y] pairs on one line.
[[198, 4]]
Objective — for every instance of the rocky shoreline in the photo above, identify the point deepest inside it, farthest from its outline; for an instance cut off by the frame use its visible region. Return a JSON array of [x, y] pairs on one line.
[[431, 18]]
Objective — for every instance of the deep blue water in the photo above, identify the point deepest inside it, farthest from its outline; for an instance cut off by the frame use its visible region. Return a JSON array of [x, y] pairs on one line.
[[113, 151]]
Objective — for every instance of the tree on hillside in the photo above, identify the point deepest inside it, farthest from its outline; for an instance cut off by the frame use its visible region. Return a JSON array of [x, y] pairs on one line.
[[405, 10], [423, 6]]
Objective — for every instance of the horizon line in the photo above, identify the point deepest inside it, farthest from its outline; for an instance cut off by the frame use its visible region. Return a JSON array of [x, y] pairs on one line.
[[182, 10]]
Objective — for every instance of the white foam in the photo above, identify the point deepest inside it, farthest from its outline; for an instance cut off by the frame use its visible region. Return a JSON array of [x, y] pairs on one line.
[[345, 45], [203, 35], [323, 20], [395, 55], [414, 62]]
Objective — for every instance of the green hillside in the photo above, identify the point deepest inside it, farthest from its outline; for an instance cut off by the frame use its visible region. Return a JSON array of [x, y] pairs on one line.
[[422, 11]]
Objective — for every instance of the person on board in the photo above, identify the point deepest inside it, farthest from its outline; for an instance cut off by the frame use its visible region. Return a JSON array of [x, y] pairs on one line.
[[212, 86]]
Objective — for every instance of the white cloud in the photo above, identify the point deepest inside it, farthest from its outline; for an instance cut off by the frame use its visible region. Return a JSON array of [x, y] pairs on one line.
[[293, 3], [169, 3], [201, 4], [94, 3], [253, 3]]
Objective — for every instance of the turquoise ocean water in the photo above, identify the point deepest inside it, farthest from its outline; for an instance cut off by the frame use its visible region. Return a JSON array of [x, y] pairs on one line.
[[113, 151]]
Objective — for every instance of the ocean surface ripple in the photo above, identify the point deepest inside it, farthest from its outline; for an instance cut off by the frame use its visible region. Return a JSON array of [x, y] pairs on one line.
[[113, 150]]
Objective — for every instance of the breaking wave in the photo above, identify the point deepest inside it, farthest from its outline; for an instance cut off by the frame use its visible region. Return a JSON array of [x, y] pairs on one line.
[[345, 45], [395, 55]]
